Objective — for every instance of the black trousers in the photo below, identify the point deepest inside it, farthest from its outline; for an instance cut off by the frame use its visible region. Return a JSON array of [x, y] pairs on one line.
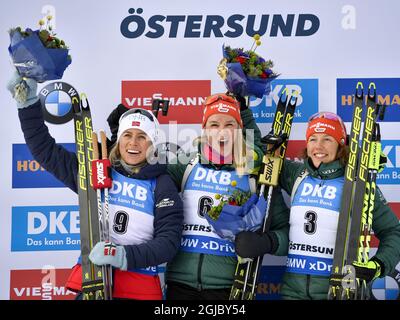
[[180, 291]]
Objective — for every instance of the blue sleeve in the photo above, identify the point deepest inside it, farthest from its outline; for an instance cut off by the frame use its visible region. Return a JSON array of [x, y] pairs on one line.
[[51, 156], [168, 220]]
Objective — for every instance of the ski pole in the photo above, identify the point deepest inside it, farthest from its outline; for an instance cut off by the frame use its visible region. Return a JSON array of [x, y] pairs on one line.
[[101, 183]]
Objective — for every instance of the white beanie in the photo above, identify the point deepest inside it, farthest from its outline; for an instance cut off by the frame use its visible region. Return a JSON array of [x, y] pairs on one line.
[[141, 119]]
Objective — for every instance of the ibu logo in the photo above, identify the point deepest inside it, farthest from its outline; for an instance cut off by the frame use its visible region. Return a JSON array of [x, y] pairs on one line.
[[45, 228]]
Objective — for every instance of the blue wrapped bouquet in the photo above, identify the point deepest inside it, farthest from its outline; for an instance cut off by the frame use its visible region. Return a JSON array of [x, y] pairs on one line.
[[245, 73], [38, 54]]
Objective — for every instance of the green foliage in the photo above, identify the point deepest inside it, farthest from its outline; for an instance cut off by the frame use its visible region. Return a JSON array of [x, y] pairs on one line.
[[237, 198]]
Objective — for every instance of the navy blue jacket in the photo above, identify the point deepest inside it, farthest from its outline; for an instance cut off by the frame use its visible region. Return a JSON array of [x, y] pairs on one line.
[[63, 164]]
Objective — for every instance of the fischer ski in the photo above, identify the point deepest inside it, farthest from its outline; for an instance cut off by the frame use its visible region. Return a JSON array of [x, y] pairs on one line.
[[247, 270], [92, 275], [357, 204]]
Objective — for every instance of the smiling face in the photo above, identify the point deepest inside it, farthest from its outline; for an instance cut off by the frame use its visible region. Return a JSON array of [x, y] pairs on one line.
[[133, 146], [322, 148], [220, 130]]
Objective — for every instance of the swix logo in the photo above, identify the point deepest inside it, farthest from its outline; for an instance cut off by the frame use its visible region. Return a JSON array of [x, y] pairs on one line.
[[306, 91], [218, 177], [205, 26], [391, 173], [45, 228], [45, 284], [27, 172], [186, 97], [100, 173], [387, 91], [326, 192]]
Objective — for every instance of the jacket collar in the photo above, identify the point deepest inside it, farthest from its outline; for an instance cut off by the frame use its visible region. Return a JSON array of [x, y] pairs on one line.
[[329, 170]]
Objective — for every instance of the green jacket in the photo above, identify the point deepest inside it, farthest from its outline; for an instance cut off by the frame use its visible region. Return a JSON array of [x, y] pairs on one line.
[[385, 225], [207, 271]]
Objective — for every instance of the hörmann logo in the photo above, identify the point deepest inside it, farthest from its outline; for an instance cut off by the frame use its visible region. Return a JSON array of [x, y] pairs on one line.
[[269, 286], [387, 91], [27, 172], [206, 26]]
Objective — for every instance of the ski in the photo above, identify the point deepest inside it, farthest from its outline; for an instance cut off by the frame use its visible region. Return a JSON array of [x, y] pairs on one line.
[[92, 275], [355, 217], [247, 271]]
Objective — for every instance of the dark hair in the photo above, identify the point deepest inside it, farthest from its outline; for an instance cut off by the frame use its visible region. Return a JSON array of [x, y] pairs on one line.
[[342, 154]]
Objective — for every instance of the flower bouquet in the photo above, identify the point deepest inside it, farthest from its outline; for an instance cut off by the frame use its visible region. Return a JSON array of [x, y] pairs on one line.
[[38, 54], [237, 198], [235, 213], [245, 73]]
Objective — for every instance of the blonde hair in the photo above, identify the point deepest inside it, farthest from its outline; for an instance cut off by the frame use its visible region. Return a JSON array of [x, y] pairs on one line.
[[243, 154], [114, 154]]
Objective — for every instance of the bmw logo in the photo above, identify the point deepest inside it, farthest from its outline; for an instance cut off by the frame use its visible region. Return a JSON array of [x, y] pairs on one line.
[[58, 99], [385, 288]]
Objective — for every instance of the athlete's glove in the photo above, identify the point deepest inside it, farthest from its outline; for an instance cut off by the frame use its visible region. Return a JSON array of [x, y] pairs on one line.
[[369, 271], [108, 253], [23, 90], [254, 244], [242, 101], [113, 120]]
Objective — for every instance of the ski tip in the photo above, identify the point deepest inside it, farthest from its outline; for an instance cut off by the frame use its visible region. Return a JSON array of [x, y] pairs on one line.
[[294, 97], [359, 89], [84, 101], [371, 87]]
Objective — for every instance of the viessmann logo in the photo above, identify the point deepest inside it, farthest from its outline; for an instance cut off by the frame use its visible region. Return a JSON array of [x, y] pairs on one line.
[[45, 228], [27, 172], [47, 283], [137, 24], [186, 97]]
